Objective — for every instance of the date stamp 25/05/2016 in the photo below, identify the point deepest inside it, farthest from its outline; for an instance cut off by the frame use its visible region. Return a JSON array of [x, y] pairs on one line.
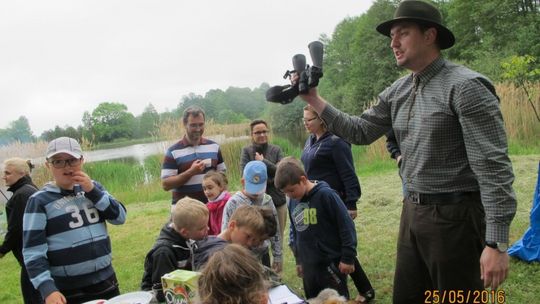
[[464, 296]]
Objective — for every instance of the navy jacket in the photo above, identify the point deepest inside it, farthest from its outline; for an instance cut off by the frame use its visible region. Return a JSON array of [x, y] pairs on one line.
[[330, 159], [321, 228]]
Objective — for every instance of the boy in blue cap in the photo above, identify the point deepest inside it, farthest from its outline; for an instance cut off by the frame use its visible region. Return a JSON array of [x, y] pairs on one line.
[[253, 193]]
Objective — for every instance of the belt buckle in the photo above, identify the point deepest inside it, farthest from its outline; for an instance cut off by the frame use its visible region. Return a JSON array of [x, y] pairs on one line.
[[414, 197]]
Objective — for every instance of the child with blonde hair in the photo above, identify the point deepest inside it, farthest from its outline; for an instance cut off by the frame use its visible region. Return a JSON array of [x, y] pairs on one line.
[[173, 247], [248, 226], [16, 176], [233, 275], [215, 189]]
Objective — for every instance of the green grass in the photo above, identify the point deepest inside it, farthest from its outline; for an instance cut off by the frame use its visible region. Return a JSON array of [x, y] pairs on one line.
[[376, 226]]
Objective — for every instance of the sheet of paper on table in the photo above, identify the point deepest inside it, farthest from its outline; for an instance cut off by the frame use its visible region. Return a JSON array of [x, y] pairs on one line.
[[283, 295]]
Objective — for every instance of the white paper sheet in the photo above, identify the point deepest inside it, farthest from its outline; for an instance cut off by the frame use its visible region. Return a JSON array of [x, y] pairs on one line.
[[283, 295]]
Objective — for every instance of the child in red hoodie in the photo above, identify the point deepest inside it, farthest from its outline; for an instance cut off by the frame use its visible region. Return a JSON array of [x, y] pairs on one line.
[[215, 189]]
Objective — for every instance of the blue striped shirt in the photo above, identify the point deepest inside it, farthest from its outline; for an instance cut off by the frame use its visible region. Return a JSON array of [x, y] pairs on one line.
[[179, 158], [65, 240]]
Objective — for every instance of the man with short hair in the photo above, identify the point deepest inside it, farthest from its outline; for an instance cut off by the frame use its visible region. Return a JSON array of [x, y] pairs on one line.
[[186, 162], [459, 200]]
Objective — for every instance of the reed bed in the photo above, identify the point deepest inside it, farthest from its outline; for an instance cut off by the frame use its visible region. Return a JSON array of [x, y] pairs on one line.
[[522, 126], [172, 129]]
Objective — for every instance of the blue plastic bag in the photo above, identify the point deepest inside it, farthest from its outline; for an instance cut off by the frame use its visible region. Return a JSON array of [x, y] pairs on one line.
[[528, 247]]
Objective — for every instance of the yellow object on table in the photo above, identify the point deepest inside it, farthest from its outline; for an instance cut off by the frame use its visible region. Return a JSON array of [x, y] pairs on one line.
[[181, 287]]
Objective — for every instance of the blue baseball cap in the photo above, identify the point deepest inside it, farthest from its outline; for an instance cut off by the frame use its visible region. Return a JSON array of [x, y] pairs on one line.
[[255, 177]]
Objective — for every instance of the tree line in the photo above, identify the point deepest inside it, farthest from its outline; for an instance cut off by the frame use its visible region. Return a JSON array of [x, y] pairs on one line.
[[498, 38]]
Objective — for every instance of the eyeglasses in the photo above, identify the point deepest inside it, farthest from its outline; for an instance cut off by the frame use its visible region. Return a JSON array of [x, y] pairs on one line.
[[306, 120], [259, 133], [196, 126], [62, 163]]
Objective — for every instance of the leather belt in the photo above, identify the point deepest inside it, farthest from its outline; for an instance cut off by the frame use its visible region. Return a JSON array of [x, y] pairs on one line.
[[440, 198]]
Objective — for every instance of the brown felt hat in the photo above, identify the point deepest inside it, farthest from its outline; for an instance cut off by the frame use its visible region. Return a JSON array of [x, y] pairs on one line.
[[423, 13]]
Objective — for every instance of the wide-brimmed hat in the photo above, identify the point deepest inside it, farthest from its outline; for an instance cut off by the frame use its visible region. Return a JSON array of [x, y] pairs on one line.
[[420, 12]]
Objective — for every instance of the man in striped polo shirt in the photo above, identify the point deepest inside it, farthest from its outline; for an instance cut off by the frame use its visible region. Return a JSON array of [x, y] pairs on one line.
[[187, 161]]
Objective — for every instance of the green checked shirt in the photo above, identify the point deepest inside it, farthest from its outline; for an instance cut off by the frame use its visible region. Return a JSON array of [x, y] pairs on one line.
[[451, 134]]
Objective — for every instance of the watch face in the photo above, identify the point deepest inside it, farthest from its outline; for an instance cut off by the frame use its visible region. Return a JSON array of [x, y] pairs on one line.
[[503, 247]]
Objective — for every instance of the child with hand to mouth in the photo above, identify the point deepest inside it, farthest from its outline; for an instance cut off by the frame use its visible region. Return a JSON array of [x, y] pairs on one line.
[[66, 246]]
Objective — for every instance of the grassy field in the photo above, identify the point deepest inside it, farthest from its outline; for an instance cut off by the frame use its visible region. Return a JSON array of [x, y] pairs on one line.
[[377, 225]]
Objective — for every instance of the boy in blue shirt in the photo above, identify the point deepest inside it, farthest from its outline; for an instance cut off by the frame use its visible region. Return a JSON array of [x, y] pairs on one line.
[[323, 237], [66, 246]]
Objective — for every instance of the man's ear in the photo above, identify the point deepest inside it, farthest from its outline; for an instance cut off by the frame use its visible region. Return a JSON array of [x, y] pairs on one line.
[[243, 181], [303, 179], [431, 35]]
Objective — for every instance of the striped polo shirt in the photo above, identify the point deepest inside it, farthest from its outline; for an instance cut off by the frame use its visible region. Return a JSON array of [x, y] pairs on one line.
[[179, 158]]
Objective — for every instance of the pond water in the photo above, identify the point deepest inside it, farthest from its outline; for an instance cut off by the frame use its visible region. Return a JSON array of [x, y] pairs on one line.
[[137, 152]]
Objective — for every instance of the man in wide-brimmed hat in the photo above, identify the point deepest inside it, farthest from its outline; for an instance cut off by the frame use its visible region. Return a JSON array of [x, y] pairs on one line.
[[455, 164]]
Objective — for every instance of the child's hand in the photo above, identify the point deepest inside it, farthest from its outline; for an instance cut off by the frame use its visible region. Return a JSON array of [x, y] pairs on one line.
[[346, 268], [55, 297], [299, 271], [84, 180], [277, 266]]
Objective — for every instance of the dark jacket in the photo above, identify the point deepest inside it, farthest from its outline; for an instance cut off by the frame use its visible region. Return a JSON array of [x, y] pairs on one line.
[[272, 155], [330, 159], [170, 252], [15, 206], [321, 228], [205, 249]]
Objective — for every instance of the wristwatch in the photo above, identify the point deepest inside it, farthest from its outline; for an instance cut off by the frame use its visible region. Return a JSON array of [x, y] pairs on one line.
[[502, 247]]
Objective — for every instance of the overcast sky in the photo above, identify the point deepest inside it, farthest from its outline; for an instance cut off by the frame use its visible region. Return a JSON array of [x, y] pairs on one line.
[[61, 58]]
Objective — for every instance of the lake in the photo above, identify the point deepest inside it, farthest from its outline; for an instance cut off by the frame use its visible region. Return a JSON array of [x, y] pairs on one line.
[[138, 152]]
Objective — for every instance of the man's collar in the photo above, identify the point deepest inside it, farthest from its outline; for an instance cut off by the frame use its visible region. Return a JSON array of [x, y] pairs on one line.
[[184, 141], [431, 70]]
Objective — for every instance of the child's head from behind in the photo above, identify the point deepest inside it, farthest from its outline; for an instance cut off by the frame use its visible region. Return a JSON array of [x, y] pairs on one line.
[[249, 226], [291, 178], [254, 178], [233, 275], [190, 218], [214, 182], [64, 157]]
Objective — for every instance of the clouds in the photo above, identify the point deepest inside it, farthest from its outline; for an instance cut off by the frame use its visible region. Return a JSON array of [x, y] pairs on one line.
[[61, 58]]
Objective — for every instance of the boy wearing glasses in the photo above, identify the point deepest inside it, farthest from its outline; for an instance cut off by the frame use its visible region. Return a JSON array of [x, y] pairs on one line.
[[66, 247]]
